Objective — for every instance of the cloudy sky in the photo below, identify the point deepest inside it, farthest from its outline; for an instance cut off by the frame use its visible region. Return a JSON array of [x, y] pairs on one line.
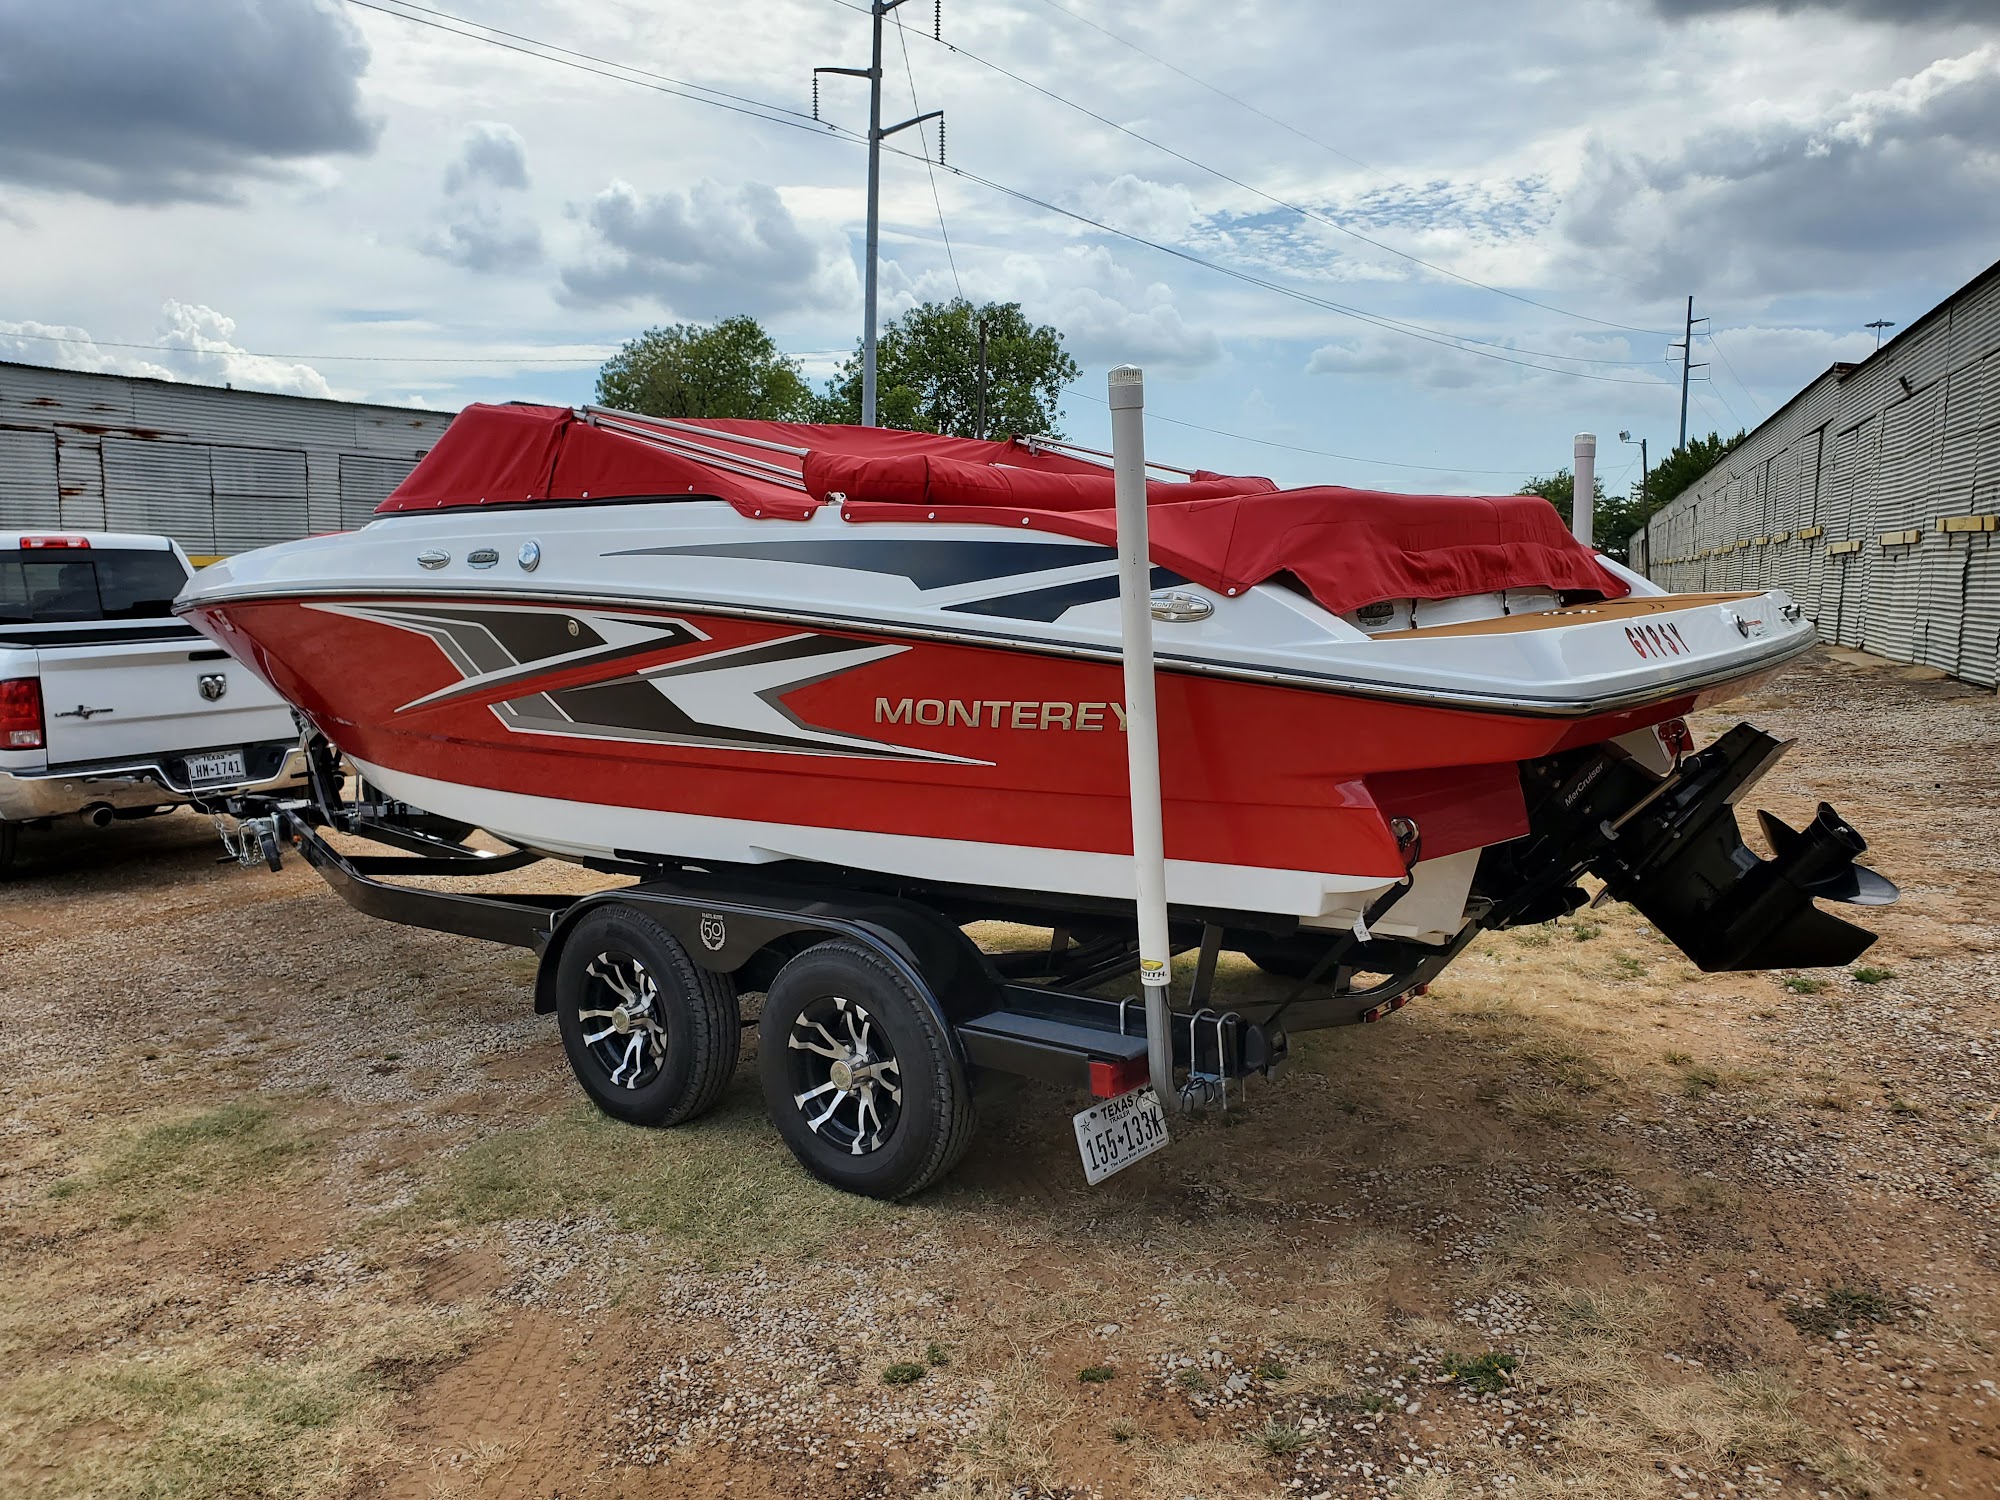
[[1427, 240]]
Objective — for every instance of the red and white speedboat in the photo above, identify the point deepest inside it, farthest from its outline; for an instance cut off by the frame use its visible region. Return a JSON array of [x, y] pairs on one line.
[[895, 657]]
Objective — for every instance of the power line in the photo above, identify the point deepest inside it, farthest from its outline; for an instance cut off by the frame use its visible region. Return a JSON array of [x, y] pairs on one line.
[[316, 359], [937, 202], [1748, 394], [585, 61], [1212, 88], [1351, 458], [1409, 330], [660, 83], [722, 94], [1272, 197]]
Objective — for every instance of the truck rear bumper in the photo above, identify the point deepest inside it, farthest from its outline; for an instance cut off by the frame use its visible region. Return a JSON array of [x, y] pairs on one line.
[[27, 797]]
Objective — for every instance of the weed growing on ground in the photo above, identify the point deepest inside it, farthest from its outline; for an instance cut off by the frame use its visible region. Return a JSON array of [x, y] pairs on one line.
[[1868, 974], [1700, 1082], [1849, 1305], [1488, 1373], [1095, 1374], [903, 1373], [936, 1354], [1803, 984], [1583, 932], [1279, 1439]]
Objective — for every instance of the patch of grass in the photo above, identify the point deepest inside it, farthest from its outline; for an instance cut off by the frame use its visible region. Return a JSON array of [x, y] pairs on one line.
[[1849, 1305], [724, 1191], [1803, 984], [1699, 1082], [1584, 932], [155, 1174], [1271, 1369], [1869, 974], [903, 1373], [1193, 1380], [1679, 1059], [936, 1355], [1629, 967], [1530, 937], [1279, 1439], [1488, 1373], [1898, 1105], [205, 1420], [1123, 1432], [1096, 1374]]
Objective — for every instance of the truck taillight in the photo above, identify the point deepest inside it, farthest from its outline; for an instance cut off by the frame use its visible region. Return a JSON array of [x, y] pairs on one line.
[[21, 714], [55, 543]]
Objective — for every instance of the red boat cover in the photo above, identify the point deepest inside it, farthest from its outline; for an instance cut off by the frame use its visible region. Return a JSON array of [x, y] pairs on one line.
[[1346, 547]]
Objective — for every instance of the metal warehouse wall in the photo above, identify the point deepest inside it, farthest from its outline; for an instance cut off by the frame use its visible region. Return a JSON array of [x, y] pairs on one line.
[[1873, 496], [218, 470]]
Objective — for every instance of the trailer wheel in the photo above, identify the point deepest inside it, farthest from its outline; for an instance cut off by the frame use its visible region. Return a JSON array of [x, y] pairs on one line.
[[650, 1035], [859, 1076]]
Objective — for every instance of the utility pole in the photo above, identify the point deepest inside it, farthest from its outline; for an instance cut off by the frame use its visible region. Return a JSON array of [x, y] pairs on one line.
[[1686, 346], [981, 427], [877, 9], [1878, 325]]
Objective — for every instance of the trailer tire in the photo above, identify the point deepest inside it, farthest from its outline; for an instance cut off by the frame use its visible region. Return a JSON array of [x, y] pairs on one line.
[[651, 1035], [889, 1041], [10, 846]]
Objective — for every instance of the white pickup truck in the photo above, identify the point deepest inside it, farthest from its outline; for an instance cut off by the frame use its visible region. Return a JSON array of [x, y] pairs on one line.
[[109, 706]]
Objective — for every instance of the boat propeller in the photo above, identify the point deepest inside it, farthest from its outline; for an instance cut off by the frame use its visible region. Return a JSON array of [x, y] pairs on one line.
[[1820, 860]]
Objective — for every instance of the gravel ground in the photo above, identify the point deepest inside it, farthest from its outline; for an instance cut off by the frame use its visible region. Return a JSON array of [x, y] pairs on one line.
[[296, 1203]]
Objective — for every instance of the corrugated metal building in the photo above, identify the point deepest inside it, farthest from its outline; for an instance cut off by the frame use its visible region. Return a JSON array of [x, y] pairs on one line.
[[1873, 496], [219, 470]]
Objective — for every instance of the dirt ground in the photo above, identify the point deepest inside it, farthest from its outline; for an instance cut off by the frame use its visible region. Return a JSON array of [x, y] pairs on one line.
[[297, 1203]]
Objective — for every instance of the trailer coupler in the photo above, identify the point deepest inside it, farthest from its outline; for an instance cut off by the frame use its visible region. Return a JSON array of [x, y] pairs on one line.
[[1676, 853]]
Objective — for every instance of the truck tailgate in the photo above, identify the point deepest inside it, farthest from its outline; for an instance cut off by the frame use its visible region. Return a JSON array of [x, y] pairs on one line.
[[109, 702]]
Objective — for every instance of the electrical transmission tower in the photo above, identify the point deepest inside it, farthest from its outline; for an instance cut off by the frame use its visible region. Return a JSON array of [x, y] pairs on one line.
[[877, 133], [1686, 346]]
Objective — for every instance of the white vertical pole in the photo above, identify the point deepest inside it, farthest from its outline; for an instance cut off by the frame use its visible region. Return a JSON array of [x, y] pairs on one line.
[[876, 10], [1585, 497], [1142, 734]]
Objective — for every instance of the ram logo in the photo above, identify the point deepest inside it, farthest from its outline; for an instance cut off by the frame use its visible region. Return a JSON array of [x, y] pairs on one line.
[[213, 685]]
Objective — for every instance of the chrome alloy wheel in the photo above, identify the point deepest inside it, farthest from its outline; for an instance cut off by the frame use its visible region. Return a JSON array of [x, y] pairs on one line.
[[627, 1038], [844, 1075]]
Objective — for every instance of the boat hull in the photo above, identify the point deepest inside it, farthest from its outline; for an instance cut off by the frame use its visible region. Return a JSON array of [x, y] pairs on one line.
[[608, 731]]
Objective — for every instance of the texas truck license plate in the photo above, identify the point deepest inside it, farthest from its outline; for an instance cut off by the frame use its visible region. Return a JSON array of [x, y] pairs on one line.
[[223, 765], [1112, 1135]]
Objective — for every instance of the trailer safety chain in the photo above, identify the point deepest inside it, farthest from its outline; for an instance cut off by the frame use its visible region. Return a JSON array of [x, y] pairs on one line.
[[251, 842]]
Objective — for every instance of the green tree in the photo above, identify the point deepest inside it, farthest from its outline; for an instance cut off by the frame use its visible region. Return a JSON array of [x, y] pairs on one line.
[[1613, 518], [1684, 466], [927, 372], [726, 369]]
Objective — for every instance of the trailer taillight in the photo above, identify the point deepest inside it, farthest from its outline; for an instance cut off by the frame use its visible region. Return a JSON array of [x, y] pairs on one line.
[[21, 714], [55, 543], [1110, 1079]]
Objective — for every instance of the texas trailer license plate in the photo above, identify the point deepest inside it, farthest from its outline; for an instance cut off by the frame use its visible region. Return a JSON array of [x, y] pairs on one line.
[[223, 765], [1112, 1135]]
